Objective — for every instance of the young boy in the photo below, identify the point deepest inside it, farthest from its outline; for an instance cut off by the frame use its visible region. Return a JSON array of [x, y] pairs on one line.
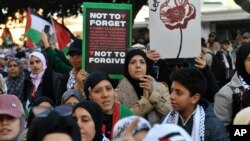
[[190, 111]]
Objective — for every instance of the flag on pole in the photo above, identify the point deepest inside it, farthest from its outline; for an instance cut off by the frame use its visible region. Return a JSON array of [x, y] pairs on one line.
[[35, 25], [6, 36]]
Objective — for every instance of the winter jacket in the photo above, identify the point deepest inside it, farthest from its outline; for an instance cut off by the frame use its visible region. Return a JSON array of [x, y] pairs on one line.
[[214, 128], [152, 106], [223, 100]]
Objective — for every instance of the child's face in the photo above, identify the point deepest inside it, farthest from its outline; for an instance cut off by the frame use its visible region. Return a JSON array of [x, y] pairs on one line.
[[181, 99], [9, 127]]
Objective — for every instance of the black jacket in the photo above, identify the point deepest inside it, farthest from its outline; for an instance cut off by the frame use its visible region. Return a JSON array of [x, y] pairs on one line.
[[48, 87]]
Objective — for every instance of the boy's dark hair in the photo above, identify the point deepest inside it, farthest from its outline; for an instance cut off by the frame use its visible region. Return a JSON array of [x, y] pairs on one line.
[[225, 41], [192, 79]]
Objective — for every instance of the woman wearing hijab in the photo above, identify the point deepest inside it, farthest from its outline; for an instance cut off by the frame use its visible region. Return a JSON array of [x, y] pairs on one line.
[[98, 87], [72, 97], [41, 101], [235, 95], [89, 119], [140, 91], [43, 81], [15, 76], [56, 124]]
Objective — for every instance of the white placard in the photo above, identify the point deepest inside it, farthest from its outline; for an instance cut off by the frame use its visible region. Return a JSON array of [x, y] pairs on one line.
[[175, 27]]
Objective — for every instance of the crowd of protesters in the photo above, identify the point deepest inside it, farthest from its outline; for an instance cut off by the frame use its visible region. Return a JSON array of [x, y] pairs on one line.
[[47, 96]]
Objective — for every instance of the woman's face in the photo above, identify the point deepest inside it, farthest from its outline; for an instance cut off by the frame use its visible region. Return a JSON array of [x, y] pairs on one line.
[[13, 69], [75, 60], [9, 128], [72, 100], [247, 64], [103, 95], [85, 123], [36, 65], [137, 67]]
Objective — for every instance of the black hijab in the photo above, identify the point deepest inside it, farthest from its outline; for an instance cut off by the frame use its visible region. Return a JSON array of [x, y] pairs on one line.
[[135, 83], [93, 79], [96, 114], [242, 54], [53, 123], [37, 102]]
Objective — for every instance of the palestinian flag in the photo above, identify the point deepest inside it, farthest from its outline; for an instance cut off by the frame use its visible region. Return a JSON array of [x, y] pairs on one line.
[[35, 25], [6, 36], [62, 34]]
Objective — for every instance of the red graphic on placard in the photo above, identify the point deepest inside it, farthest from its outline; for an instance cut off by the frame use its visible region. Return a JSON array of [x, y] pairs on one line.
[[123, 16], [91, 53], [176, 15]]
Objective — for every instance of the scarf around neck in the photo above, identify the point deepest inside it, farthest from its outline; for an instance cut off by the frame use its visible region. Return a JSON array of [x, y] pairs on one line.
[[37, 78], [198, 131], [14, 84]]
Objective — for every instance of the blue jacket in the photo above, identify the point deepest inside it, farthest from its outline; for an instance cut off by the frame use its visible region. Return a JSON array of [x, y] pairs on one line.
[[214, 128]]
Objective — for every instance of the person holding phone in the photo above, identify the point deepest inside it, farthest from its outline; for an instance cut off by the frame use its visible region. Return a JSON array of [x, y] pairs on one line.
[[140, 91]]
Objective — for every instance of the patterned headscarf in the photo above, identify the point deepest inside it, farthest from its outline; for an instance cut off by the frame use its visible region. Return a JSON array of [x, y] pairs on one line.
[[14, 84]]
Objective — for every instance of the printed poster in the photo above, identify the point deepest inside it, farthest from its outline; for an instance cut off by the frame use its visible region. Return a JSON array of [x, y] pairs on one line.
[[107, 33], [175, 27]]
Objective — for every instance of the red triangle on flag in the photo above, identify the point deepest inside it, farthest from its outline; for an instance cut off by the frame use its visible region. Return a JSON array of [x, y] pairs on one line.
[[62, 35], [29, 43]]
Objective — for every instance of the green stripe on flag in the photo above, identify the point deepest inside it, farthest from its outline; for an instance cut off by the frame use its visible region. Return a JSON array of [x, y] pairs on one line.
[[65, 50], [34, 35]]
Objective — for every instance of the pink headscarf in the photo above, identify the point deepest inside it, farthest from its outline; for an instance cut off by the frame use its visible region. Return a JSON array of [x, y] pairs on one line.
[[37, 78]]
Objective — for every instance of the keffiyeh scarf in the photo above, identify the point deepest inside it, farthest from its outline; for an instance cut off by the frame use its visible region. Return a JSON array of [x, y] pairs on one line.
[[71, 81], [244, 84], [198, 131]]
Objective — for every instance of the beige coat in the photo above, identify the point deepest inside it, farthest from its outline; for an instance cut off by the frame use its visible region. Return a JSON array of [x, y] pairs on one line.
[[151, 105]]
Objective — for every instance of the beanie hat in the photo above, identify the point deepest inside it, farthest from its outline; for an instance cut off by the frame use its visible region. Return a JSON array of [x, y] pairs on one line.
[[122, 124], [93, 79]]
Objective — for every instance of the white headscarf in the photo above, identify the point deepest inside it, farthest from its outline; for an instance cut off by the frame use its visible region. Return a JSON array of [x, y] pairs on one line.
[[36, 78]]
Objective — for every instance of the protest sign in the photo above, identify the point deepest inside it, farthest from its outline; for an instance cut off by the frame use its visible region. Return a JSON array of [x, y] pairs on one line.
[[175, 27], [107, 35]]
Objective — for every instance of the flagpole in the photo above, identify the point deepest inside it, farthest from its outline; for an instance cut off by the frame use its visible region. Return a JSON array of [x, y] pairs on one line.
[[52, 21]]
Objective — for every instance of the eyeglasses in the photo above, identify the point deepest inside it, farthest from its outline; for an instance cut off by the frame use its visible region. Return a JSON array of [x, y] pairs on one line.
[[62, 110]]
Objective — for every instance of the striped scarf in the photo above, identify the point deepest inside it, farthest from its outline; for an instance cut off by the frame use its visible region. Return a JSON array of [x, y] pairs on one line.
[[198, 131]]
